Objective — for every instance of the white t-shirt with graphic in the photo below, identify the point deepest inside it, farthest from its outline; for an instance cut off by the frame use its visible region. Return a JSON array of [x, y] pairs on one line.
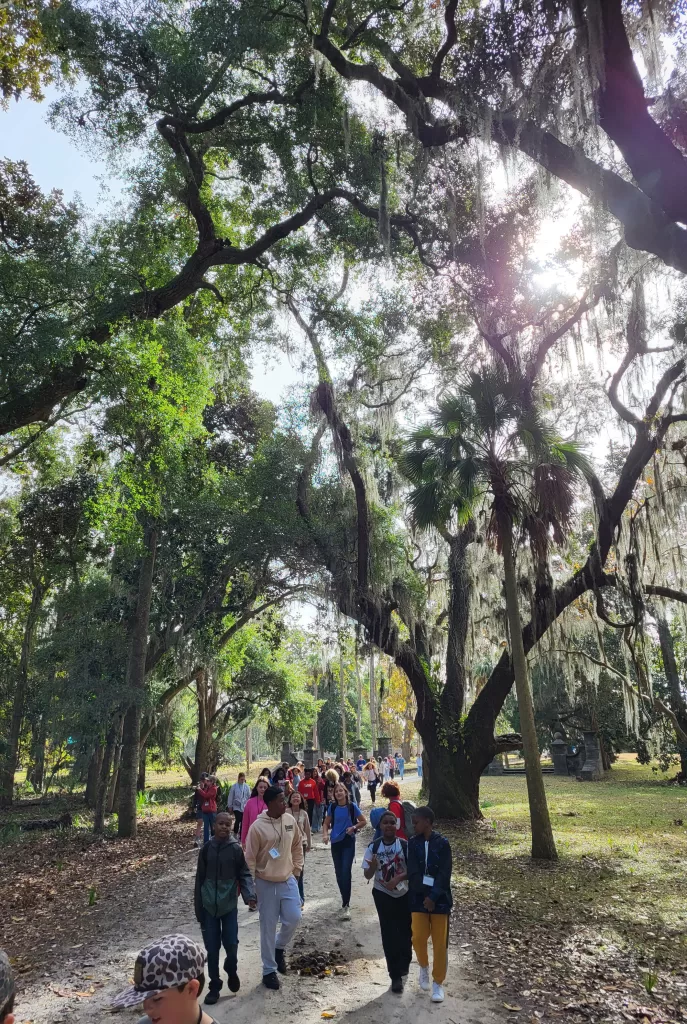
[[390, 862]]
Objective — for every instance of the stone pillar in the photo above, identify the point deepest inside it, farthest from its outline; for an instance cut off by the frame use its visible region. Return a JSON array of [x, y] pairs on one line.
[[359, 750], [286, 754], [559, 755], [494, 767], [592, 769], [310, 755], [384, 746]]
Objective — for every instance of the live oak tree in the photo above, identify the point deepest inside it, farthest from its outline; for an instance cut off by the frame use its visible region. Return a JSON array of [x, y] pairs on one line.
[[243, 149]]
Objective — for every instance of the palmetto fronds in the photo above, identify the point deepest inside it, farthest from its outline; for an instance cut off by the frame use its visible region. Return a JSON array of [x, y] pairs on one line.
[[490, 438]]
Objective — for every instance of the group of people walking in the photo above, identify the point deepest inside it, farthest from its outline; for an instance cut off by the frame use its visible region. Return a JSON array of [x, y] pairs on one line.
[[411, 891], [262, 859]]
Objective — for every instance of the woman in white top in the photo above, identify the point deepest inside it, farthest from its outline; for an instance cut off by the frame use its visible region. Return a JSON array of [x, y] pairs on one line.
[[371, 778], [387, 769], [297, 808]]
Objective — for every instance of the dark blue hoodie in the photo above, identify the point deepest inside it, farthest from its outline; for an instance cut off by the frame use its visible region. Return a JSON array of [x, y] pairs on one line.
[[438, 867]]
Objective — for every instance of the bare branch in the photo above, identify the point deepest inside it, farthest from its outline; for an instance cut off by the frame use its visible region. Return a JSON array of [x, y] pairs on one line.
[[621, 409], [450, 40], [657, 590]]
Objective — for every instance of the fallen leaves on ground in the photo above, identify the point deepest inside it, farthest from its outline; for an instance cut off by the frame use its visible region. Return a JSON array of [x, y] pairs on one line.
[[563, 942], [46, 880]]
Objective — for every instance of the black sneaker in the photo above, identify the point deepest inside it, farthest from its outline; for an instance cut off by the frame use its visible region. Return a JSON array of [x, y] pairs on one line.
[[281, 960], [397, 984], [234, 982], [270, 981], [211, 998]]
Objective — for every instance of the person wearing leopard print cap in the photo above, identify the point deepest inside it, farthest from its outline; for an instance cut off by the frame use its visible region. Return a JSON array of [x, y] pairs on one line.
[[168, 980], [6, 990]]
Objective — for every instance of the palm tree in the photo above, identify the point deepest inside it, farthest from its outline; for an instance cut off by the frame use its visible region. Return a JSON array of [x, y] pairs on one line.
[[488, 442]]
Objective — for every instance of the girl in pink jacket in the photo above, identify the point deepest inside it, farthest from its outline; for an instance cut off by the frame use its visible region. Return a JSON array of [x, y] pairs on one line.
[[254, 807]]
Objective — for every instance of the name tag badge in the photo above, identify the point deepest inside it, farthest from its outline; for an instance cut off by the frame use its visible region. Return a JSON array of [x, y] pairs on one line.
[[274, 853], [426, 879]]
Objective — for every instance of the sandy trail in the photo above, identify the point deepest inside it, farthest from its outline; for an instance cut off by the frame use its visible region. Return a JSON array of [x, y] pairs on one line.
[[362, 996]]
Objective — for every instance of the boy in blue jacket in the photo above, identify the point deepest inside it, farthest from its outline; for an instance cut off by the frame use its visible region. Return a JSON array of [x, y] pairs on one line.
[[429, 877]]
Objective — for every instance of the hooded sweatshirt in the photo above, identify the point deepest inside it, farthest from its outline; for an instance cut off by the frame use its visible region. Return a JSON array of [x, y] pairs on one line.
[[221, 874], [250, 812], [282, 834]]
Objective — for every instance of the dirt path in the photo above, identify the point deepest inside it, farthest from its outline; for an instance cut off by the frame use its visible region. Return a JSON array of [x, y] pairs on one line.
[[79, 991]]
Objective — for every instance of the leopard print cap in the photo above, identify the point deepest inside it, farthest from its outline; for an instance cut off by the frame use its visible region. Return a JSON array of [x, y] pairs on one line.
[[167, 962], [6, 979]]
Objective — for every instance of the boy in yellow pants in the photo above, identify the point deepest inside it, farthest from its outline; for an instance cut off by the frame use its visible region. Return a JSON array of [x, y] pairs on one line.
[[429, 876]]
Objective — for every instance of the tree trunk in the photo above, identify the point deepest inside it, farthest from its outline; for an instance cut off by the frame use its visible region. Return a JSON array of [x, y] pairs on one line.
[[9, 766], [135, 683], [677, 703], [373, 701], [36, 771], [249, 749], [106, 762], [543, 845], [113, 786], [407, 739], [202, 741], [315, 736], [342, 697], [359, 696], [141, 780], [94, 765]]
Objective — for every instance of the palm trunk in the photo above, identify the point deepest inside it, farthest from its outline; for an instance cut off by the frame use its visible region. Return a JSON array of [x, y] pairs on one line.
[[9, 766], [135, 680], [373, 701], [359, 697], [676, 701], [342, 696], [543, 845]]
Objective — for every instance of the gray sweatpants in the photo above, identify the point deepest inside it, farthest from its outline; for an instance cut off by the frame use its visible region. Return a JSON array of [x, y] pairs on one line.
[[277, 902]]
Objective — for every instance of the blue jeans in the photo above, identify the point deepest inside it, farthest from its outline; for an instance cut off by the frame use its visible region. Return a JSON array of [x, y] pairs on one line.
[[218, 932], [208, 825], [343, 854], [317, 817]]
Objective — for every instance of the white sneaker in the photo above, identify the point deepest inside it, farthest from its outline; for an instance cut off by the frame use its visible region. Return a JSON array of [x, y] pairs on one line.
[[346, 914], [437, 992], [423, 980]]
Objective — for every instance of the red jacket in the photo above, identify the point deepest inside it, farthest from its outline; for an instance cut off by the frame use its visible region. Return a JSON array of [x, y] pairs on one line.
[[208, 798], [396, 807], [309, 790]]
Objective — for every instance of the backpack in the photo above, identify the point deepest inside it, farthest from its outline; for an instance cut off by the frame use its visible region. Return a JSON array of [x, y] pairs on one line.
[[409, 809], [376, 815]]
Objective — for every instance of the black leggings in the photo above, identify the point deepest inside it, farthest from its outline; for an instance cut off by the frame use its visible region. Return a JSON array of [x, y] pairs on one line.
[[372, 789]]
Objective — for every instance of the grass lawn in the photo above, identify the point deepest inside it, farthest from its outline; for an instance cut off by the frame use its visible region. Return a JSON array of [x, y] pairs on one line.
[[602, 933]]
